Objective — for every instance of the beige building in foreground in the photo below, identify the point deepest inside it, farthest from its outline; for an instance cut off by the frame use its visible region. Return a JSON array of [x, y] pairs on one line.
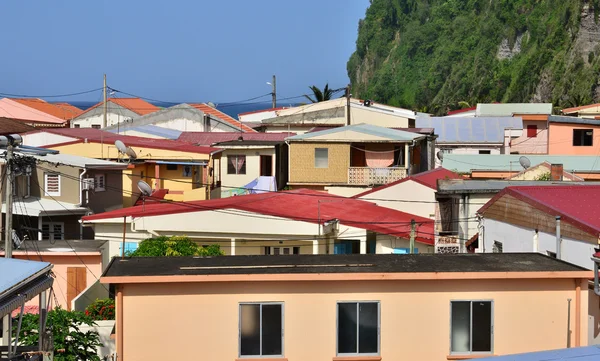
[[347, 307]]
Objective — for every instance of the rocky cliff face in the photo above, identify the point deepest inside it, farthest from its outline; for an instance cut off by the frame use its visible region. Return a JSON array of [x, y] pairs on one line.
[[431, 55]]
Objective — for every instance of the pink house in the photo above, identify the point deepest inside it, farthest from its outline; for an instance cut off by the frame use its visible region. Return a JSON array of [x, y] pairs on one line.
[[573, 136]]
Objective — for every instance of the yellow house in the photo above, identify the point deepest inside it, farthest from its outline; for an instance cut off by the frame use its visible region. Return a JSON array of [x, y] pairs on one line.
[[184, 172], [349, 160], [425, 307]]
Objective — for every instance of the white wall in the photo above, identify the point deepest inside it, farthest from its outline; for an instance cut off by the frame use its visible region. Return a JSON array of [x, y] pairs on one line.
[[257, 116], [346, 191], [40, 139], [229, 181], [417, 195], [520, 239], [386, 245], [465, 149], [111, 119]]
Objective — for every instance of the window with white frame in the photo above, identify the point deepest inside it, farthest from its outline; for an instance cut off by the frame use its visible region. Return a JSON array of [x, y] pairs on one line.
[[358, 328], [261, 329], [100, 182], [53, 231], [52, 184], [471, 327], [321, 158]]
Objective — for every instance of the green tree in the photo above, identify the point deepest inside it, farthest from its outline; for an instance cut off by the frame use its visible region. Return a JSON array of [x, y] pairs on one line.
[[318, 95], [174, 246], [70, 343]]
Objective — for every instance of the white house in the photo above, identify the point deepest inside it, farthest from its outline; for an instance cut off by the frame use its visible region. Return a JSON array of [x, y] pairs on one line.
[[414, 194], [118, 110], [560, 221], [292, 222]]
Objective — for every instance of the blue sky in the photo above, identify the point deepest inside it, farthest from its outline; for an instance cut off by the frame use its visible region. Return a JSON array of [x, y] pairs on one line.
[[180, 50]]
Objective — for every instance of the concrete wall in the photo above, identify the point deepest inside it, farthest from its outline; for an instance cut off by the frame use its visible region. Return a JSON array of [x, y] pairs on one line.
[[302, 163], [421, 199], [109, 199], [528, 315], [534, 145], [41, 139], [381, 118], [520, 239], [230, 181], [346, 191], [466, 149], [561, 140]]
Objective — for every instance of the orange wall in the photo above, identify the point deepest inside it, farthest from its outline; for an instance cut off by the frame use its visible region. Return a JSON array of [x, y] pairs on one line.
[[202, 318], [561, 140], [61, 262]]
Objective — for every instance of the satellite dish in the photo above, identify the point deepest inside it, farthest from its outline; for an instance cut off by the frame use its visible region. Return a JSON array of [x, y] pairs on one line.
[[130, 153], [440, 155], [144, 188], [121, 146], [525, 162], [211, 104]]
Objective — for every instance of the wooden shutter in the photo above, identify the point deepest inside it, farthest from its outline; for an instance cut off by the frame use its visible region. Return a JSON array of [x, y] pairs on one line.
[[76, 283]]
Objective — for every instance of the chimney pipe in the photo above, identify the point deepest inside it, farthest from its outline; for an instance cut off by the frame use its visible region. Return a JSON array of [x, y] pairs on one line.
[[558, 240], [556, 172]]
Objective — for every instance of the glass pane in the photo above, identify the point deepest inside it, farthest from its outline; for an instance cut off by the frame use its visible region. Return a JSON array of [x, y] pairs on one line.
[[482, 326], [271, 330], [461, 333], [286, 251], [367, 328], [249, 330], [321, 158], [347, 328]]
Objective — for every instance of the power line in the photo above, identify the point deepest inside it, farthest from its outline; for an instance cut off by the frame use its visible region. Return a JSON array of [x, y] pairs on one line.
[[50, 96]]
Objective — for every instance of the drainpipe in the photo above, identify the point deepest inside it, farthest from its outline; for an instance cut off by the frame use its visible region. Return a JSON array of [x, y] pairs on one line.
[[558, 240], [81, 186], [409, 165], [289, 160]]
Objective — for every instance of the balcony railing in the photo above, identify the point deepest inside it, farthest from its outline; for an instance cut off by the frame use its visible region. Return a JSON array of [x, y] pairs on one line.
[[374, 176]]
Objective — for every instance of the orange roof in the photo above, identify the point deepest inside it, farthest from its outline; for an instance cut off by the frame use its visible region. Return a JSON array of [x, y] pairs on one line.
[[63, 111], [224, 117], [576, 109], [136, 105]]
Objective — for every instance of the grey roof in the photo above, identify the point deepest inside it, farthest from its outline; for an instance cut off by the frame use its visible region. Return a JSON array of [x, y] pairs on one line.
[[151, 130], [465, 163], [354, 263], [178, 111], [463, 186], [508, 109], [13, 272], [60, 246], [72, 160], [588, 353], [572, 120], [391, 134], [469, 129]]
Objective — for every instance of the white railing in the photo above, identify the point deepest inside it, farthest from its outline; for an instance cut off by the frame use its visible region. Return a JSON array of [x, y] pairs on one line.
[[374, 176]]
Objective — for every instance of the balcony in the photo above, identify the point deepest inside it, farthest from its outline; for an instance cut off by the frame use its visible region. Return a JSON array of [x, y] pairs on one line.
[[366, 176]]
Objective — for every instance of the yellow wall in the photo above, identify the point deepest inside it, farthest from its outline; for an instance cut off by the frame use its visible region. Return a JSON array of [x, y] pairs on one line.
[[528, 315], [302, 163], [94, 150]]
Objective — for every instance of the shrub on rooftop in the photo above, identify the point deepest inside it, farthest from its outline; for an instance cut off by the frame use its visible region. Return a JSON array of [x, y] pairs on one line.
[[101, 309], [174, 246]]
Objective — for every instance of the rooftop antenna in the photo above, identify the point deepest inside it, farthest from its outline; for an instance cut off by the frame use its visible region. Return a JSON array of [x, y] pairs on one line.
[[121, 147], [525, 162]]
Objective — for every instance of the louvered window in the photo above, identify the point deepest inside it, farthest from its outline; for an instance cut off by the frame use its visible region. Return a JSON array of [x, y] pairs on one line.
[[52, 184]]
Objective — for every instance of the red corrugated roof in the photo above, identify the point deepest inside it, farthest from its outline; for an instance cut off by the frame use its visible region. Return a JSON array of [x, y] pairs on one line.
[[11, 126], [96, 136], [62, 111], [156, 197], [577, 205], [301, 205], [224, 117], [428, 179], [458, 111], [136, 105], [210, 138]]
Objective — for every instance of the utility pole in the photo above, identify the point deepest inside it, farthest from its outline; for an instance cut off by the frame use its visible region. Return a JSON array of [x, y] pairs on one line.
[[274, 92], [103, 121], [8, 187], [413, 231], [348, 104]]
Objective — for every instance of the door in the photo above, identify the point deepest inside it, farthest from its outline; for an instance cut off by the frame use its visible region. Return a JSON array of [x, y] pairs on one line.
[[76, 283], [266, 165]]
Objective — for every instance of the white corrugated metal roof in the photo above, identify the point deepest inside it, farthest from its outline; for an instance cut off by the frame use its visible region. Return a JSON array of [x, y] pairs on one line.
[[15, 271]]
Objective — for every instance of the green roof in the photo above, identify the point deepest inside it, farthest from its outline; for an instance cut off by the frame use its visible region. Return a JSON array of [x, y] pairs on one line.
[[465, 163], [367, 129]]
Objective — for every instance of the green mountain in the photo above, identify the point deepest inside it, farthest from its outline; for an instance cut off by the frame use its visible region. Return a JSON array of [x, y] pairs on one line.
[[440, 55]]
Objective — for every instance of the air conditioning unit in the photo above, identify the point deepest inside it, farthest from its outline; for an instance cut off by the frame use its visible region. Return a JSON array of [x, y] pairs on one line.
[[88, 184]]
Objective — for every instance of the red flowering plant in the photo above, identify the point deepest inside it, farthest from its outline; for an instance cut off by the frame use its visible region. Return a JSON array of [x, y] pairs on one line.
[[101, 309]]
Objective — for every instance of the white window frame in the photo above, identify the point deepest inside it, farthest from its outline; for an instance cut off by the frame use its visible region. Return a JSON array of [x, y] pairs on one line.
[[491, 351], [96, 182], [321, 149], [337, 325], [51, 231], [54, 194], [260, 329]]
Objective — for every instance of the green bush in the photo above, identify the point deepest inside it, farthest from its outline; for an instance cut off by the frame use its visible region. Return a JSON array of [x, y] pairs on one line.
[[101, 309]]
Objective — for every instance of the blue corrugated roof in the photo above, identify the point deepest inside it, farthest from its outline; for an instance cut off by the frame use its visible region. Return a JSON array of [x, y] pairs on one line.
[[469, 129], [389, 133], [589, 353], [152, 130], [465, 163], [14, 271]]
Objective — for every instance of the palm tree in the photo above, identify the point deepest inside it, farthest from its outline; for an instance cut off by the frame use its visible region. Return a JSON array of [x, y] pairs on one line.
[[320, 96]]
